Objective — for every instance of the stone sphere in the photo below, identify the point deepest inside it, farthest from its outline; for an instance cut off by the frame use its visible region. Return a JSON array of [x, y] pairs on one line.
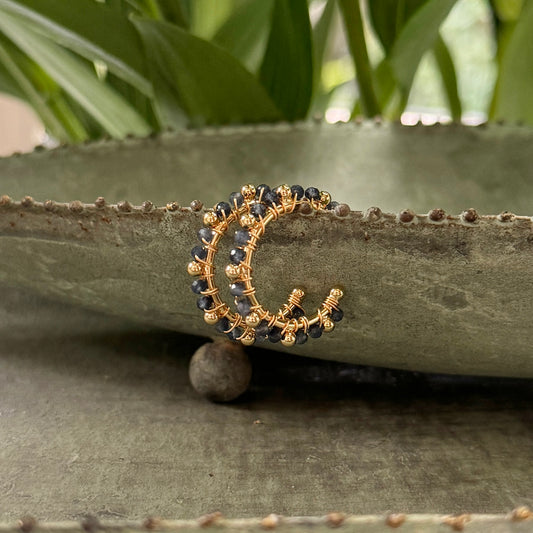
[[221, 371]]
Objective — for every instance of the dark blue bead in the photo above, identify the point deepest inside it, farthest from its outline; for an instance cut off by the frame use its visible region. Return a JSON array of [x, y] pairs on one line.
[[271, 197], [206, 234], [315, 331], [237, 288], [332, 205], [242, 237], [301, 337], [297, 312], [235, 333], [222, 325], [199, 285], [199, 252], [337, 314], [298, 191], [237, 255], [312, 193], [275, 334], [263, 187], [261, 331], [258, 210], [223, 208], [204, 302], [244, 306], [236, 198]]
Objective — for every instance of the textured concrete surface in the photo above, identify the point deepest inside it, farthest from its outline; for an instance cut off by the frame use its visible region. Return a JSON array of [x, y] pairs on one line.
[[97, 416], [444, 295], [392, 166]]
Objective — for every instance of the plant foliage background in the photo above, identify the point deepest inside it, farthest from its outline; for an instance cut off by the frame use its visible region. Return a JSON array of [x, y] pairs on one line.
[[119, 67]]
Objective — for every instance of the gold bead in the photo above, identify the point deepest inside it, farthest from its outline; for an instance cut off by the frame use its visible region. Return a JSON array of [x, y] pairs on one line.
[[210, 218], [247, 220], [325, 198], [289, 339], [298, 293], [211, 317], [232, 271], [336, 293], [329, 325], [253, 320], [248, 338], [194, 268], [248, 191], [284, 191]]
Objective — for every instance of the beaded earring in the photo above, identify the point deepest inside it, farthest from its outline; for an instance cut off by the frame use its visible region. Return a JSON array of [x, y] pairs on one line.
[[254, 208]]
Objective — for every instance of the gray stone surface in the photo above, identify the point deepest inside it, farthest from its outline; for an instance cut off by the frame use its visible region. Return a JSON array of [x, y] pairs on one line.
[[446, 296], [392, 166], [97, 416]]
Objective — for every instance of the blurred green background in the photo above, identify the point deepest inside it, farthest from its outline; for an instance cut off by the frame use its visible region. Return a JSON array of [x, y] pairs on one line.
[[92, 68]]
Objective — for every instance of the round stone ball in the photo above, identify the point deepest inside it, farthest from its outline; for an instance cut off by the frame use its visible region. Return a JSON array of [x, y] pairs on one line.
[[221, 371]]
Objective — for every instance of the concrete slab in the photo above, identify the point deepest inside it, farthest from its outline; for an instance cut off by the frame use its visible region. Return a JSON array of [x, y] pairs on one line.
[[97, 417]]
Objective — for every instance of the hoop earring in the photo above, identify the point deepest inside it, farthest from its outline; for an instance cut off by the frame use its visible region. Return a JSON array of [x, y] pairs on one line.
[[254, 208]]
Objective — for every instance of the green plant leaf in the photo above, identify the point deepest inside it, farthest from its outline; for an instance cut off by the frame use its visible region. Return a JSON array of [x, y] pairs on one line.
[[321, 34], [385, 82], [75, 113], [54, 98], [245, 33], [417, 36], [507, 10], [140, 102], [323, 91], [106, 106], [449, 77], [512, 96], [174, 11], [407, 29], [18, 68], [207, 16], [195, 77], [353, 23], [8, 84], [91, 29], [287, 68], [389, 17], [70, 119], [388, 95]]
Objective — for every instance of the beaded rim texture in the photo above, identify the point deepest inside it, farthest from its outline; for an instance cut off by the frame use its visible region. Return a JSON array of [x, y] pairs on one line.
[[253, 208]]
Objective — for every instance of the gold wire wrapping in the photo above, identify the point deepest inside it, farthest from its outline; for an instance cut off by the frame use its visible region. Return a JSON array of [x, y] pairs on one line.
[[289, 326]]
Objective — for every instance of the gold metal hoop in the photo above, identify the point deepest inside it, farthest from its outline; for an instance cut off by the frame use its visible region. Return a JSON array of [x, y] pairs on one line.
[[254, 209]]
